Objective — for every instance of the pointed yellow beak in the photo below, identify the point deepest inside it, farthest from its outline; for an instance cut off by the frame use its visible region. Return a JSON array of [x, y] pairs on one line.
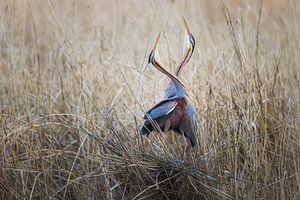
[[186, 27], [157, 41]]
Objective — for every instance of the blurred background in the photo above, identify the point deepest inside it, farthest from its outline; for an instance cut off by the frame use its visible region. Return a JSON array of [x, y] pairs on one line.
[[105, 44]]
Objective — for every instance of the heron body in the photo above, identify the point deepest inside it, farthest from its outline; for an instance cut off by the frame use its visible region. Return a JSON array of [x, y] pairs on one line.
[[188, 124], [167, 114], [173, 112]]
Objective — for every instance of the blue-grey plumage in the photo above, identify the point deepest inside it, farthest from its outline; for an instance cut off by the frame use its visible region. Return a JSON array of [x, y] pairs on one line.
[[170, 92], [174, 90], [181, 120], [166, 115], [163, 107], [188, 125]]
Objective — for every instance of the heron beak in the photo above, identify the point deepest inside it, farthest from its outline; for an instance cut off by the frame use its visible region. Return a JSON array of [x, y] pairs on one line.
[[186, 27], [189, 34], [157, 42]]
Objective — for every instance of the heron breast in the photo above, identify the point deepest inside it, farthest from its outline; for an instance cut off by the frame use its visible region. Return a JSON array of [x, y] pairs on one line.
[[178, 112]]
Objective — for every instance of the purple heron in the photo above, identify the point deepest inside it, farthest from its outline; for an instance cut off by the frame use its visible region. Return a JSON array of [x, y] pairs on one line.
[[174, 112], [188, 49]]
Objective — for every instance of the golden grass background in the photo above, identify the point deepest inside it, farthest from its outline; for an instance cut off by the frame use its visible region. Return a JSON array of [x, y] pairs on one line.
[[73, 95]]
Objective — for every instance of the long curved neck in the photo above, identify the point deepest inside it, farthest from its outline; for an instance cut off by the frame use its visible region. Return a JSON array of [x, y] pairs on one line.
[[164, 71], [186, 59]]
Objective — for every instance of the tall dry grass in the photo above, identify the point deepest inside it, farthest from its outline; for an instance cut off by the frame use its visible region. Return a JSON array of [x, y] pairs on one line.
[[73, 94]]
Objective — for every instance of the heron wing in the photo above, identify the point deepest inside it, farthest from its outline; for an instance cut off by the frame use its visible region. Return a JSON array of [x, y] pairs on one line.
[[162, 108], [189, 124]]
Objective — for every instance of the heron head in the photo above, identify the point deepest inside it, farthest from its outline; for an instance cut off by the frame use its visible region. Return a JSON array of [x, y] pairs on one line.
[[189, 41], [188, 47], [153, 52]]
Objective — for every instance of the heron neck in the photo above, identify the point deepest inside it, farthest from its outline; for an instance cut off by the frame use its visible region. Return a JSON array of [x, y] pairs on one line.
[[171, 76], [183, 62]]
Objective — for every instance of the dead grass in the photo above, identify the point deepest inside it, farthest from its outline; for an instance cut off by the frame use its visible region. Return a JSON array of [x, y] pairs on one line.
[[72, 97]]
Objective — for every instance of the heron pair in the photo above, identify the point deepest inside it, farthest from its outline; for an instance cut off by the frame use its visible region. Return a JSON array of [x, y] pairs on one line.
[[173, 112]]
